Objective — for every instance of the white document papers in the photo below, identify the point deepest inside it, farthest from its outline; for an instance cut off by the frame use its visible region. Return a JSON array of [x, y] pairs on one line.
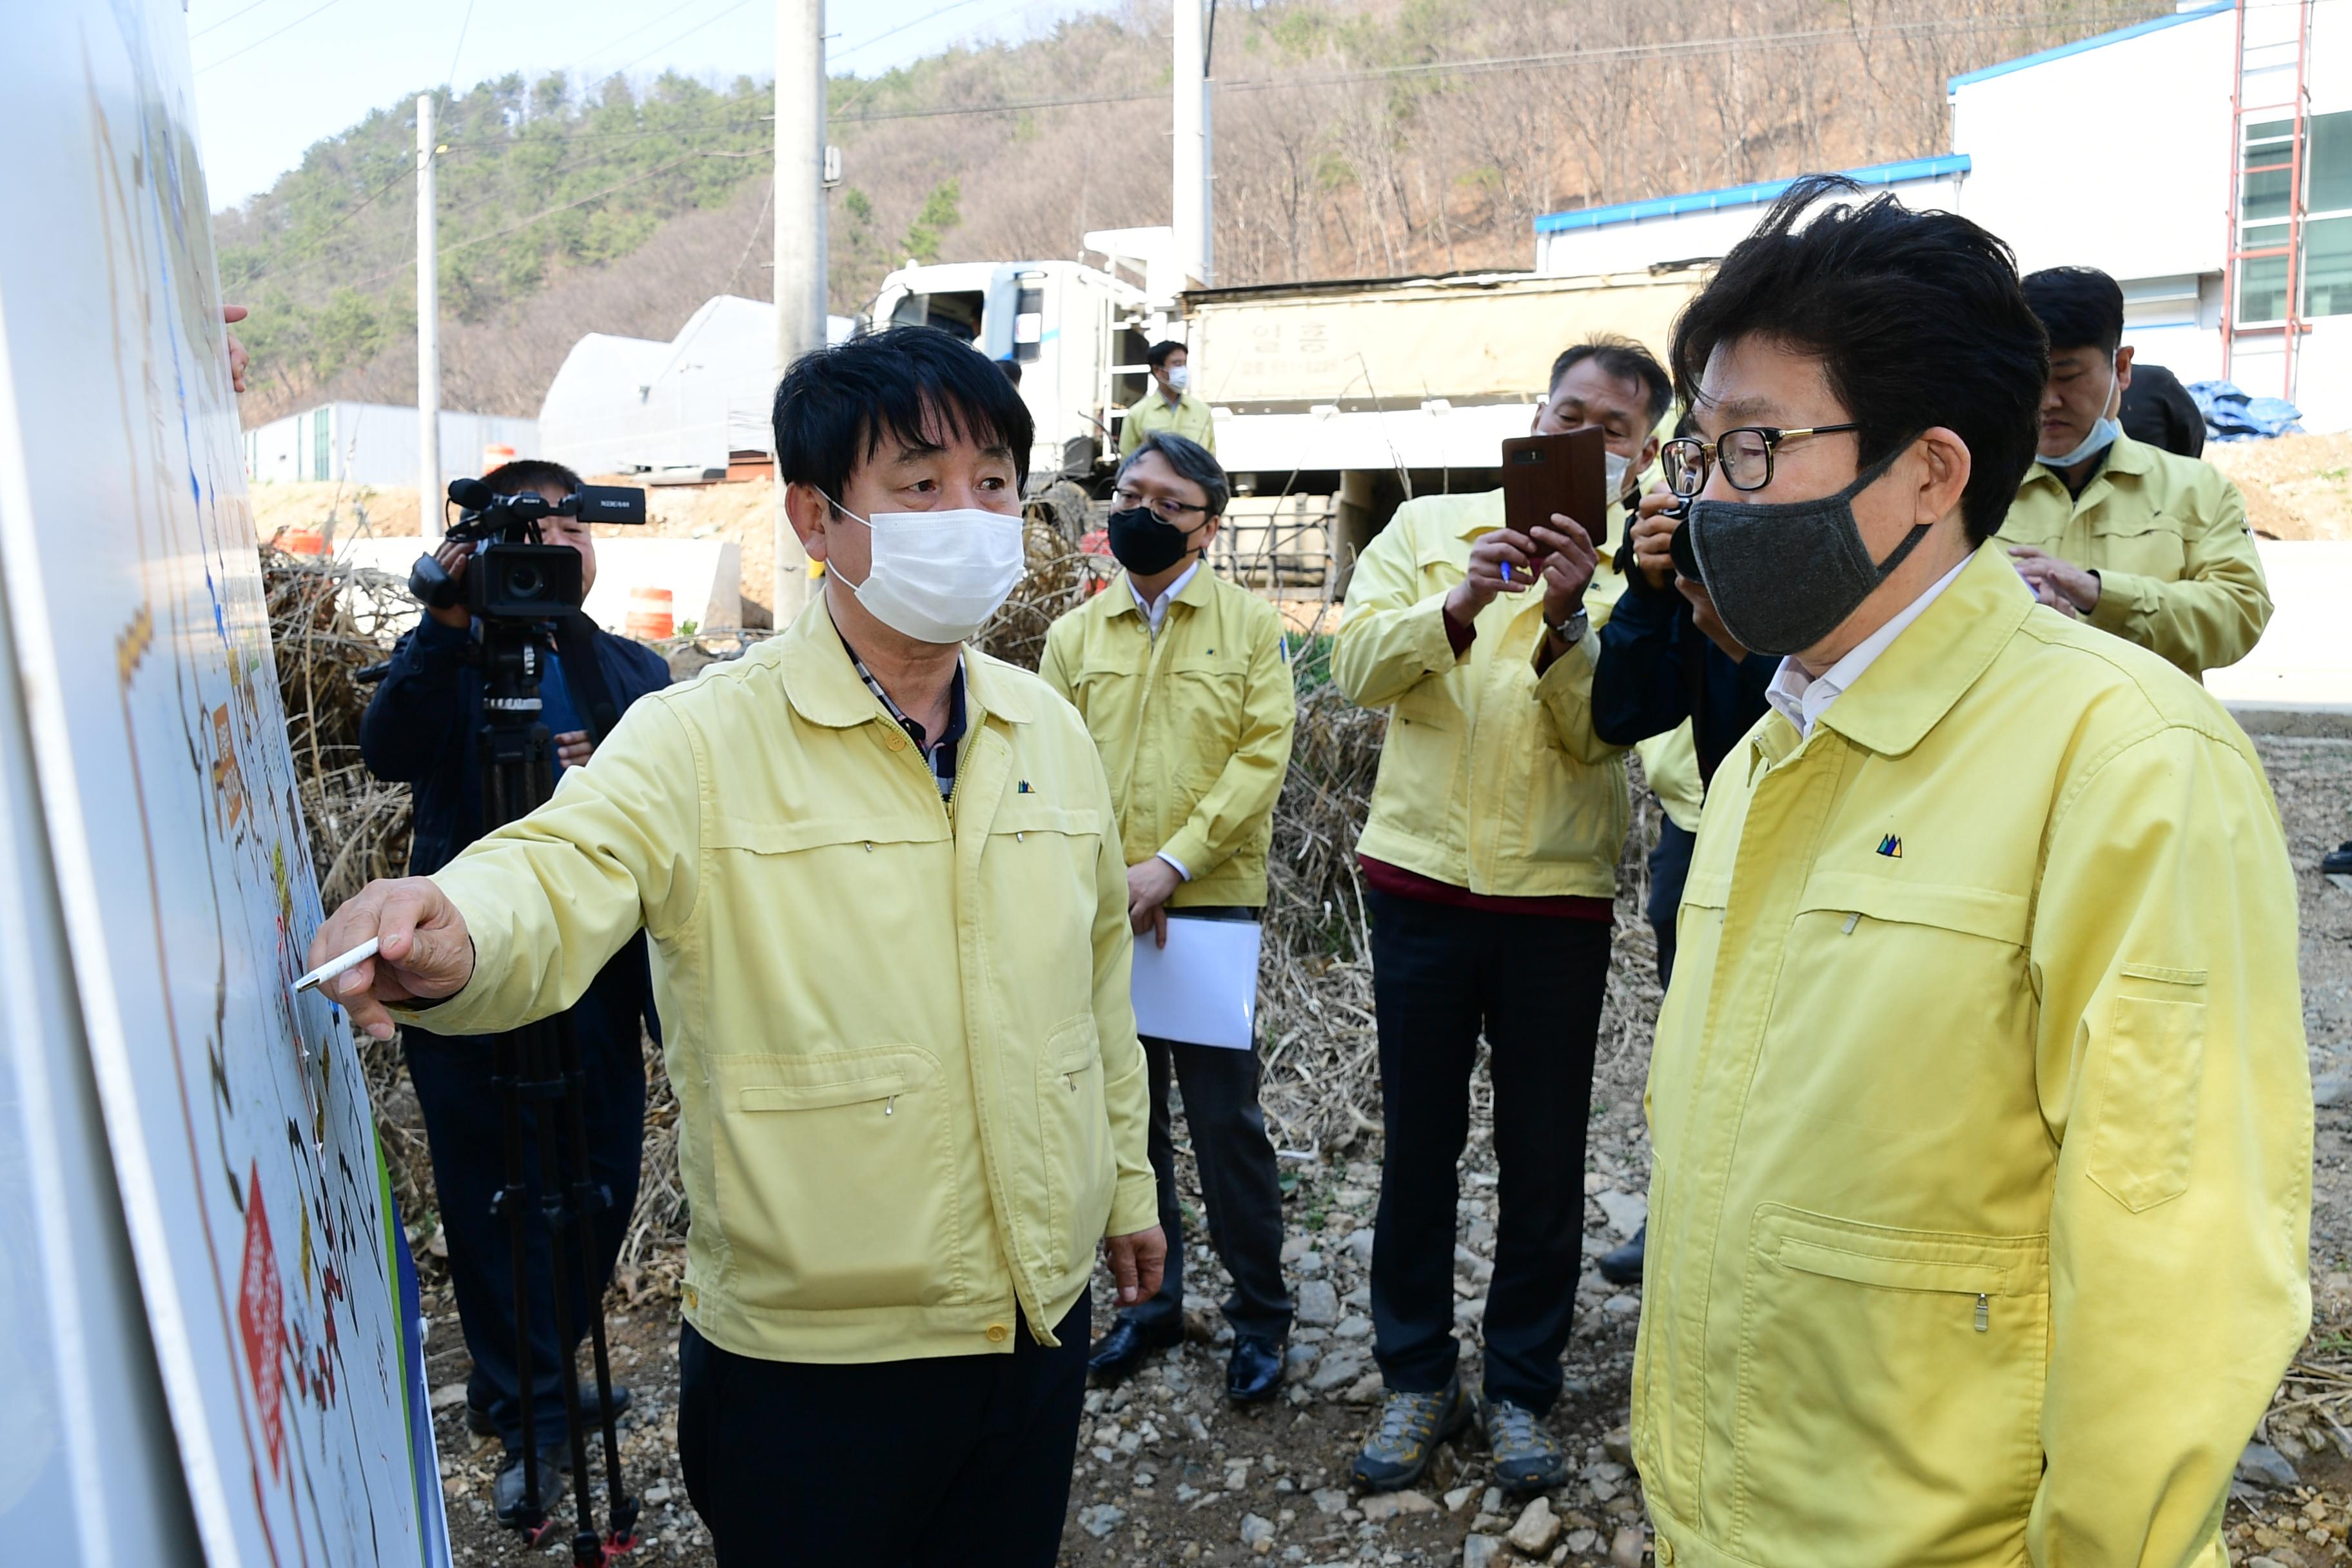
[[1201, 988]]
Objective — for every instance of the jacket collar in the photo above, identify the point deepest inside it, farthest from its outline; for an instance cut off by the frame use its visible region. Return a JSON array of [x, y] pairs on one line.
[[2125, 457], [823, 687], [1908, 689], [1120, 590]]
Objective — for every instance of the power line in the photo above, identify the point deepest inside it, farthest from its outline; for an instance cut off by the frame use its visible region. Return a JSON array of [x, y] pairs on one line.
[[625, 38], [893, 32], [267, 37], [225, 21], [463, 29], [714, 17]]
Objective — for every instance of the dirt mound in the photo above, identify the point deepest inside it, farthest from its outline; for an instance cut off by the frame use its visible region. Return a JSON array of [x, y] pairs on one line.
[[2297, 486]]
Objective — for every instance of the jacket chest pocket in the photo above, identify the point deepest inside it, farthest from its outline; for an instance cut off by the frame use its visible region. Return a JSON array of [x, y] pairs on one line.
[[1889, 1397], [2149, 546], [1205, 696], [835, 1180], [1073, 1137]]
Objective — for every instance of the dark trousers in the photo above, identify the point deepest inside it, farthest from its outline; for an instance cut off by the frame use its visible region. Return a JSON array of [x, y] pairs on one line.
[[1533, 985], [1238, 1187], [1670, 861], [464, 1126], [897, 1464]]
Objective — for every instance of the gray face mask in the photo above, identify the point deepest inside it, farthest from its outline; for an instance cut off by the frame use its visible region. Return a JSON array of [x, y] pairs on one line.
[[1784, 575]]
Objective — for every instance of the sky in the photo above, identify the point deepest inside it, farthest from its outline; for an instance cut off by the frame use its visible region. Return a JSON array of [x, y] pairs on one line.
[[275, 76]]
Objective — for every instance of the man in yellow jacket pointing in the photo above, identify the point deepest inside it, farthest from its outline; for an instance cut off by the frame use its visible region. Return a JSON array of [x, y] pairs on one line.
[[1980, 1107], [882, 879]]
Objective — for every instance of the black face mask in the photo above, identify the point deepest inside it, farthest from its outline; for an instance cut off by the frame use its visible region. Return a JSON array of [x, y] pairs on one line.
[[1144, 544], [1785, 574]]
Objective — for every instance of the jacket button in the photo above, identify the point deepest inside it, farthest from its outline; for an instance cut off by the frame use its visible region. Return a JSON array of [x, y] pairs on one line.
[[998, 1333], [1665, 1552], [897, 742]]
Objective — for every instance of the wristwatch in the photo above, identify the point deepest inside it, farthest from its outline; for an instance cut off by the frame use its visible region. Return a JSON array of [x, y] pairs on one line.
[[1570, 629]]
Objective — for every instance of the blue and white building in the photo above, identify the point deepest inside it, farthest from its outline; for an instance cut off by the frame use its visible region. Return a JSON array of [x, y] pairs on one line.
[[2170, 154]]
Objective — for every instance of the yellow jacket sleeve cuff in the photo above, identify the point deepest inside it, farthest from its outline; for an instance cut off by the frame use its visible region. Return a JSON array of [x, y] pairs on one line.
[[459, 1012], [1191, 853], [1135, 1206], [2126, 599]]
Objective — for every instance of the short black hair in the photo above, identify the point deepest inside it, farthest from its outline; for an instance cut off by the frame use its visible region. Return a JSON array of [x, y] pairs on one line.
[[1012, 369], [1192, 461], [1157, 354], [1626, 361], [531, 474], [913, 384], [2079, 307], [1917, 318]]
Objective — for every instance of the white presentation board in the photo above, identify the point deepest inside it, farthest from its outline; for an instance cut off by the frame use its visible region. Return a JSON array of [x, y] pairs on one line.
[[234, 1115]]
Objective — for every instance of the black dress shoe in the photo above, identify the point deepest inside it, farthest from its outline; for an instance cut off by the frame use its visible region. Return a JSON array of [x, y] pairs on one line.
[[478, 1416], [2336, 866], [1121, 1350], [507, 1490], [1622, 1265], [1254, 1373]]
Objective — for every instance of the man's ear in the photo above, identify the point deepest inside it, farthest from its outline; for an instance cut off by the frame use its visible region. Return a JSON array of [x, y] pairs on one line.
[[2122, 369], [808, 511], [1649, 453], [1943, 474]]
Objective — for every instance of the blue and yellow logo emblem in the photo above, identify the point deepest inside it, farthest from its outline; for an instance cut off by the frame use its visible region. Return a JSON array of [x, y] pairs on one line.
[[1891, 846]]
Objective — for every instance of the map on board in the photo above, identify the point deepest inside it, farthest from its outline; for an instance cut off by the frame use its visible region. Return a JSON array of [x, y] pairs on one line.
[[236, 1114]]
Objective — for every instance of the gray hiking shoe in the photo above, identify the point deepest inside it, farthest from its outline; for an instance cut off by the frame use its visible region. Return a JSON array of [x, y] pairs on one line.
[[1411, 1425], [1526, 1457]]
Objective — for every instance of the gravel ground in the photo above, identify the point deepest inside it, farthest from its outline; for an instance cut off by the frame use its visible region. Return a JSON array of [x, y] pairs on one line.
[[1168, 1472]]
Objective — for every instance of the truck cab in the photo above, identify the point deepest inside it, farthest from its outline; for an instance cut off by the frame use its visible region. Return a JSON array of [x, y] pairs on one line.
[[1077, 333]]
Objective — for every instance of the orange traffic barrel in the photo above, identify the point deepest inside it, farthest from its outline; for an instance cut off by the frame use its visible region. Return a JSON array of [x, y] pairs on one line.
[[496, 455], [649, 615], [301, 542]]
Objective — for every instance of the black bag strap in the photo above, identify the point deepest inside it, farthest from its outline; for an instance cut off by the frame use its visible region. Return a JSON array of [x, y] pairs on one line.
[[584, 674]]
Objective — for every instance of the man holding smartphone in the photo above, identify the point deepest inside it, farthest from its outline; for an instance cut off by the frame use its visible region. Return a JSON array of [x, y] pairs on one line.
[[1490, 864]]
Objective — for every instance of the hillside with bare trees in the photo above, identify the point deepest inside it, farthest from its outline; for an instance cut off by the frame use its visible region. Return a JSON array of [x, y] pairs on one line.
[[1351, 138]]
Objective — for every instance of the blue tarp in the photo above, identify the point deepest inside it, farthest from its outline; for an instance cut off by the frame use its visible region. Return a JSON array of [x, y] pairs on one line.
[[2232, 416]]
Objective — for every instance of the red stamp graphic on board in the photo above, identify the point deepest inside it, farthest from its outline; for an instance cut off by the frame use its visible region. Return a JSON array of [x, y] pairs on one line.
[[261, 1313]]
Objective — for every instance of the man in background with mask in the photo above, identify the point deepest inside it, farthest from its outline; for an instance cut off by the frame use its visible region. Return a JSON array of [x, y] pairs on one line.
[[1179, 675], [888, 913], [2137, 542], [1980, 1188], [1490, 868], [1170, 405]]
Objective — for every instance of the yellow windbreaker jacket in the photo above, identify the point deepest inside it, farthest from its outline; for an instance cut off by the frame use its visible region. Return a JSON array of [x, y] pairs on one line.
[[1981, 1116], [1491, 778], [1194, 725], [1191, 418], [910, 1092], [2178, 570]]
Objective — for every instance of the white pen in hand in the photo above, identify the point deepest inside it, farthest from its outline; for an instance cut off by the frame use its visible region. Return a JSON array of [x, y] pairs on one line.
[[336, 965]]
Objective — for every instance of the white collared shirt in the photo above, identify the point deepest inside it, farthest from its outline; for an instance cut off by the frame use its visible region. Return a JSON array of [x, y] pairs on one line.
[[1802, 699], [1155, 611]]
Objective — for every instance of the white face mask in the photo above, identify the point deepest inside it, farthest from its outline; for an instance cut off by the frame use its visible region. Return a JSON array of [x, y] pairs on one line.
[[1612, 467], [1180, 376], [2103, 431], [937, 576]]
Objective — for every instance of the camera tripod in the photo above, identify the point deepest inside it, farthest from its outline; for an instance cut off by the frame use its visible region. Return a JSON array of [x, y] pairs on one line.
[[539, 1064]]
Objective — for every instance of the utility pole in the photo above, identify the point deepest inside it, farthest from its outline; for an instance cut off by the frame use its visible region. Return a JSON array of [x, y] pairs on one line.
[[800, 271], [1191, 142], [428, 334]]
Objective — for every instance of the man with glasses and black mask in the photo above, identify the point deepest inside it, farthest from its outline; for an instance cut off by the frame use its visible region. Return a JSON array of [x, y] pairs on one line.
[[1981, 1124], [1182, 679], [1490, 866], [2150, 546], [881, 875]]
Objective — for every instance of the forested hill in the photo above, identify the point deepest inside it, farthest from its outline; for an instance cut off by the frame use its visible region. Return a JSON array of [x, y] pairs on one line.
[[1353, 138]]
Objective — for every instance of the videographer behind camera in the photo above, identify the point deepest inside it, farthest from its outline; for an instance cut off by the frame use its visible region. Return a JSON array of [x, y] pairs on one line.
[[422, 729]]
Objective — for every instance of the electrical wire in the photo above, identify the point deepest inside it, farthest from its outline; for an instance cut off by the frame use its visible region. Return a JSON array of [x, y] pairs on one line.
[[463, 29], [715, 17], [640, 28], [267, 37], [225, 21]]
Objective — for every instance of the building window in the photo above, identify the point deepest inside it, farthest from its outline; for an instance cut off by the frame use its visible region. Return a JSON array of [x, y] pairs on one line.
[[2325, 269]]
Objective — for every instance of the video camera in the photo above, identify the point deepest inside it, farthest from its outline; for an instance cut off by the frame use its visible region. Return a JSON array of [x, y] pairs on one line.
[[513, 576]]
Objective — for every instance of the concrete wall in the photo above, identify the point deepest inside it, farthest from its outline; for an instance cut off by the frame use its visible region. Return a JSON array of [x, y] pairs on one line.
[[375, 444]]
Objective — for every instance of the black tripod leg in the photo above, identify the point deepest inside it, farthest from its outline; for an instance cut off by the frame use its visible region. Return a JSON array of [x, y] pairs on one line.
[[547, 1080], [513, 1206], [622, 1508]]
